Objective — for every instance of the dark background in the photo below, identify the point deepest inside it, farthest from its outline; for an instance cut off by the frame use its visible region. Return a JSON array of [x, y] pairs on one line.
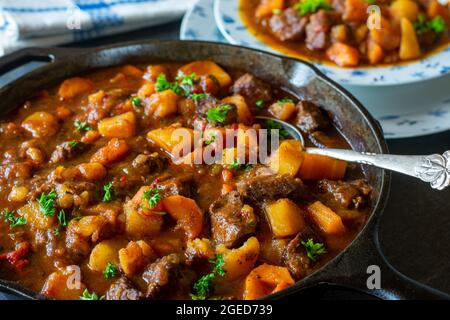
[[414, 230]]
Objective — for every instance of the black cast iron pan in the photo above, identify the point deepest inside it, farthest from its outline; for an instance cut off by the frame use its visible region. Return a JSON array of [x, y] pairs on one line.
[[350, 267]]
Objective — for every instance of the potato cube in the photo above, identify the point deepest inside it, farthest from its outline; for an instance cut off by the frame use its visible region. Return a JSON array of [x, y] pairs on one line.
[[35, 219], [135, 257], [138, 225], [240, 261], [409, 46], [285, 218], [176, 140], [121, 126], [206, 68], [326, 219], [288, 158], [243, 111], [103, 253], [283, 110], [162, 104], [41, 124], [73, 87]]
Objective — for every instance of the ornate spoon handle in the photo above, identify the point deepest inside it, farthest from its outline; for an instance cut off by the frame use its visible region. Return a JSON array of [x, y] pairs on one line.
[[434, 168]]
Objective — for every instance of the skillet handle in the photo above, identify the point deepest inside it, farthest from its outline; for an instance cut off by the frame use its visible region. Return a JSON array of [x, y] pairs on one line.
[[359, 267], [21, 57]]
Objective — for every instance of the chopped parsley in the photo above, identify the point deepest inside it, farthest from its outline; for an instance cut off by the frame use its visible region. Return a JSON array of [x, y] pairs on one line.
[[218, 114], [82, 126], [13, 220], [285, 100], [196, 96], [90, 296], [62, 219], [313, 250], [74, 144], [47, 203], [203, 287], [276, 12], [371, 2], [236, 165], [311, 6], [162, 85], [260, 104], [108, 192], [273, 125], [187, 82], [152, 197], [136, 101], [110, 271], [437, 24], [211, 139]]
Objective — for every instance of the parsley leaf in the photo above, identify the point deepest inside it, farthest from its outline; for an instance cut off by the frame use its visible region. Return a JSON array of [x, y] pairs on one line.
[[108, 192], [211, 139], [218, 114], [136, 101], [110, 271], [196, 96], [272, 125], [74, 144], [285, 100], [90, 296], [276, 12], [62, 219], [313, 250], [437, 24], [152, 197], [162, 85], [260, 104], [47, 203], [187, 81], [13, 220], [310, 6], [82, 126], [203, 286]]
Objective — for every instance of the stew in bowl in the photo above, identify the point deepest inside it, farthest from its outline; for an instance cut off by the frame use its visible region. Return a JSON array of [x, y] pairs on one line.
[[350, 33], [97, 203]]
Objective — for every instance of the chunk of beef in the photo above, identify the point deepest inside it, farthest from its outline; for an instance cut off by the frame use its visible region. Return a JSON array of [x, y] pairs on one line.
[[252, 89], [338, 5], [67, 150], [150, 163], [123, 289], [21, 171], [295, 256], [289, 25], [269, 187], [204, 103], [167, 273], [183, 185], [229, 222], [345, 194], [310, 118], [317, 31]]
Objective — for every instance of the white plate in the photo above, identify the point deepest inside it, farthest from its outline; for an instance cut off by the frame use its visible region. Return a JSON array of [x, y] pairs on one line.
[[404, 111], [234, 30]]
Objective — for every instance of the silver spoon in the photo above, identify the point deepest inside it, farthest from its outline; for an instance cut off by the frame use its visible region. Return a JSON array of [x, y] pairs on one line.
[[434, 169]]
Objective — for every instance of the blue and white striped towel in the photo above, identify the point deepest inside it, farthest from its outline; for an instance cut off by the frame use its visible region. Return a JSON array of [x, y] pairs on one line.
[[25, 23]]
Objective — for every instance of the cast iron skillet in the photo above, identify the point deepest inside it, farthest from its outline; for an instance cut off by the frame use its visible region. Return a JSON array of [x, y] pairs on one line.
[[350, 267]]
